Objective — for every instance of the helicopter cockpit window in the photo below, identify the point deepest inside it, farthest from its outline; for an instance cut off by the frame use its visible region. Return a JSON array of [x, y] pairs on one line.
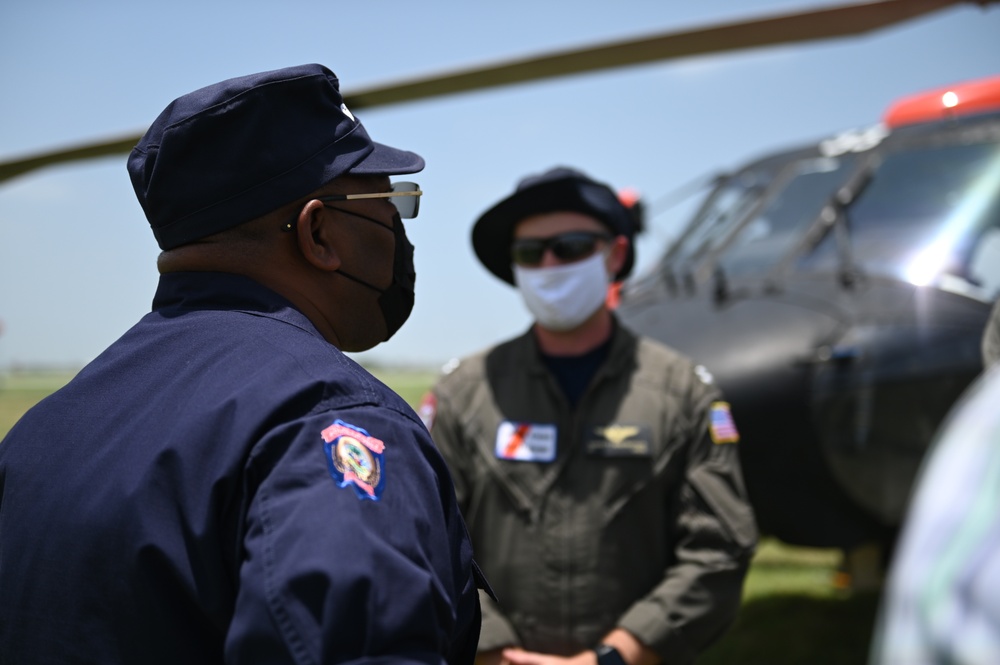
[[929, 216], [724, 208], [771, 234]]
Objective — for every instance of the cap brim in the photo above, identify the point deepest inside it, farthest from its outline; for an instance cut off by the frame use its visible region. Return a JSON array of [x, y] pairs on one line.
[[386, 160], [493, 233]]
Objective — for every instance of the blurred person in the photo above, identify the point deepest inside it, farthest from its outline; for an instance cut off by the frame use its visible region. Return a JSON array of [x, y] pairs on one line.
[[223, 484], [991, 337], [942, 601], [597, 470]]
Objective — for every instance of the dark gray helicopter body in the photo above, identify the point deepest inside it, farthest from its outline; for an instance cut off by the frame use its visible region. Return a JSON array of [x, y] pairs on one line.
[[838, 295]]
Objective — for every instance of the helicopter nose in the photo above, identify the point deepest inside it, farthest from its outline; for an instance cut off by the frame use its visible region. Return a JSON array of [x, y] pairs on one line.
[[761, 353]]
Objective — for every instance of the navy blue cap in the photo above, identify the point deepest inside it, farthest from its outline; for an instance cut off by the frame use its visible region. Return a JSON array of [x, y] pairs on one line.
[[233, 151], [558, 189]]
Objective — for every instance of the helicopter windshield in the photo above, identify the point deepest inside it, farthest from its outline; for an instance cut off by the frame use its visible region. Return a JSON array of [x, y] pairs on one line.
[[772, 233], [929, 215], [723, 209]]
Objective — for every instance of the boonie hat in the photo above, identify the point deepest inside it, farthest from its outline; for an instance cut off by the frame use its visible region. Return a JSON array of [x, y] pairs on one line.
[[233, 151], [558, 189]]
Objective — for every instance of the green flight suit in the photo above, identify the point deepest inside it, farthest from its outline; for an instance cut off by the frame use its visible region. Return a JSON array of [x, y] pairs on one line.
[[639, 521]]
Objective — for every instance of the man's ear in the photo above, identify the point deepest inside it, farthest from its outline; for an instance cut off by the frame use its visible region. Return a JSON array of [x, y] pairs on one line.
[[617, 255], [315, 237]]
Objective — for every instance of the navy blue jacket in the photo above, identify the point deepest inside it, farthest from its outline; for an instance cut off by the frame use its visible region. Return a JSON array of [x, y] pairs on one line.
[[223, 485]]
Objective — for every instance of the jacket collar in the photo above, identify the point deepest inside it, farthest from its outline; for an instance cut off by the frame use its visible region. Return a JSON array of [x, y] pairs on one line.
[[180, 292], [621, 354]]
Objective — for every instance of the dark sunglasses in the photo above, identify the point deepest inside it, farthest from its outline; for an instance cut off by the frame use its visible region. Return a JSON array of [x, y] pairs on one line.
[[571, 246]]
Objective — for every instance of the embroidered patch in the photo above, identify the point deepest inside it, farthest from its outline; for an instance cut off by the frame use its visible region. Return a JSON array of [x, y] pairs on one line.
[[354, 457], [722, 428], [526, 442], [618, 440]]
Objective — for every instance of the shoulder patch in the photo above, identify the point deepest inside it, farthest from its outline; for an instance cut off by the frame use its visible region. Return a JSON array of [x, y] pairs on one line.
[[721, 427], [704, 375], [355, 458]]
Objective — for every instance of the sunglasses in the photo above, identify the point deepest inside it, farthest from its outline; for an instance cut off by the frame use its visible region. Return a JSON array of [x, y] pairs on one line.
[[404, 195], [569, 247]]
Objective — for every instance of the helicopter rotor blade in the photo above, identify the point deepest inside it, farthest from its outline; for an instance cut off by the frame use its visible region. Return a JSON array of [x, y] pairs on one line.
[[827, 23], [104, 148], [824, 23]]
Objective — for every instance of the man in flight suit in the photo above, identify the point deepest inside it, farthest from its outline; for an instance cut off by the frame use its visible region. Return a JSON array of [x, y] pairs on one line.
[[597, 470], [223, 484]]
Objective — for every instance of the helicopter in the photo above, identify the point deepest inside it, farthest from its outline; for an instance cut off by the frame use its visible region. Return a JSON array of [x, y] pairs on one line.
[[700, 286], [838, 293]]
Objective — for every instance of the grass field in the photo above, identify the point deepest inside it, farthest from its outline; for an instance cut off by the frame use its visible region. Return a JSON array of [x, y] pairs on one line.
[[19, 391], [792, 613]]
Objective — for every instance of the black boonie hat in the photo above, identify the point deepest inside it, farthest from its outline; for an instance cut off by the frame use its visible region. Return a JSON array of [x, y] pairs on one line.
[[233, 151], [558, 189]]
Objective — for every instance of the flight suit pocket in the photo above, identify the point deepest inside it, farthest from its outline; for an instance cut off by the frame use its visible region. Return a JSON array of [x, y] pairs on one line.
[[619, 458]]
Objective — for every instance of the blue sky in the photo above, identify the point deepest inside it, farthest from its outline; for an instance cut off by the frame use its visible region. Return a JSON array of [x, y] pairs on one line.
[[77, 260]]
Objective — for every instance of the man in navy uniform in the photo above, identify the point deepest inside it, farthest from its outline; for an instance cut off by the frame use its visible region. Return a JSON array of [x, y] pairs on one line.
[[223, 484]]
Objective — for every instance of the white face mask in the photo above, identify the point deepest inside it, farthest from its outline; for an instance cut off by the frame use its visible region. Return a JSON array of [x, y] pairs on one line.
[[562, 297]]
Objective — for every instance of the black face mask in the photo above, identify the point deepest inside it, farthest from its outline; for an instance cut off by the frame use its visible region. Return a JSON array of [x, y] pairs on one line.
[[395, 301]]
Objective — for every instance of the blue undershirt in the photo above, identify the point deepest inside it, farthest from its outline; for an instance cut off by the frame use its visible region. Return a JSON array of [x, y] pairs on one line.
[[574, 373]]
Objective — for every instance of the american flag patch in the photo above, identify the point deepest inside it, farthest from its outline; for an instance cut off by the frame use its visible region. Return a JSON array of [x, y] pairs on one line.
[[722, 428]]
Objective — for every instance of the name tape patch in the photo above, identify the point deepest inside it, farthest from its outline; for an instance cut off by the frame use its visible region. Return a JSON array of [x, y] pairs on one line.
[[526, 442]]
